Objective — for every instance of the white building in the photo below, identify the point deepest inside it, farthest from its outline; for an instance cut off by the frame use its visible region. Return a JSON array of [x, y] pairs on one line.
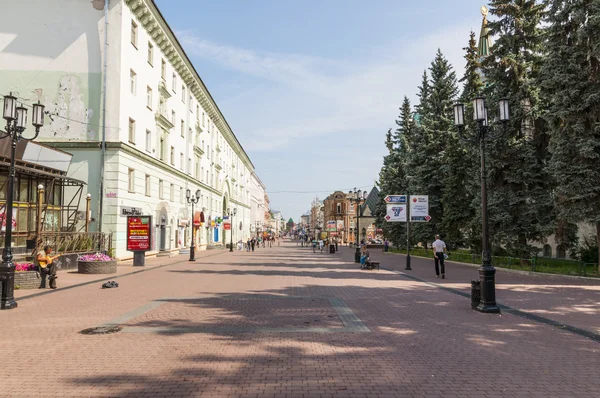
[[164, 133]]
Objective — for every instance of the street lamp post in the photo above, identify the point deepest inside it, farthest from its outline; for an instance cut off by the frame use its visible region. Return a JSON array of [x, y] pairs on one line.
[[357, 197], [487, 272], [16, 120], [231, 214], [193, 200]]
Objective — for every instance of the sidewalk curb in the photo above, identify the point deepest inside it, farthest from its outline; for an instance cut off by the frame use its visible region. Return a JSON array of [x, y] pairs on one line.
[[50, 291], [514, 271]]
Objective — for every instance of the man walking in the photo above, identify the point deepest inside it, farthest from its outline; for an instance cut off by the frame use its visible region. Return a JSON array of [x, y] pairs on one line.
[[439, 249]]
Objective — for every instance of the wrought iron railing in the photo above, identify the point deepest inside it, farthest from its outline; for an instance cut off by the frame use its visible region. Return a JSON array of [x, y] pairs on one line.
[[76, 242]]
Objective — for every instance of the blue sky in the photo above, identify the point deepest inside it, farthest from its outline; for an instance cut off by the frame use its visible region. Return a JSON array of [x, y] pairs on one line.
[[311, 87]]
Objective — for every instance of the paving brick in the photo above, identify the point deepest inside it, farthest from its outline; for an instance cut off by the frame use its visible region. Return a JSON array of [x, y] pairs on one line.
[[419, 340]]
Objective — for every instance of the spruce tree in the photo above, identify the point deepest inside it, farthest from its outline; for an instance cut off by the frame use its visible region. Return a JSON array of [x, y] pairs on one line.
[[570, 80], [520, 188]]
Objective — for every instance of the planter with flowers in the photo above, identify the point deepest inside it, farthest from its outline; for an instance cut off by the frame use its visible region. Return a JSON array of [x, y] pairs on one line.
[[26, 276], [98, 263]]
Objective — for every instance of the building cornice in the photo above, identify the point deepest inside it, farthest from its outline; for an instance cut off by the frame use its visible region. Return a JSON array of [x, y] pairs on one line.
[[155, 24]]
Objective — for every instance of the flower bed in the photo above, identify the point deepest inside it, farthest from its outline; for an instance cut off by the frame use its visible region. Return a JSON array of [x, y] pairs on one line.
[[26, 276], [97, 263]]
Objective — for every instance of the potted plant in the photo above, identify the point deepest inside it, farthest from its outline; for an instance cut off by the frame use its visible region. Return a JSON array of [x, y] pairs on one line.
[[26, 276], [98, 263]]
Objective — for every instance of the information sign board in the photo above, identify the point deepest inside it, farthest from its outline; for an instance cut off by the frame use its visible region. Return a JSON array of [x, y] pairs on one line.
[[419, 208], [395, 199], [139, 233], [395, 213], [332, 226]]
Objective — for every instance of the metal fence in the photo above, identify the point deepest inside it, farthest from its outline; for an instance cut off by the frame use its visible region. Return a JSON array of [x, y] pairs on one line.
[[534, 264], [76, 242]]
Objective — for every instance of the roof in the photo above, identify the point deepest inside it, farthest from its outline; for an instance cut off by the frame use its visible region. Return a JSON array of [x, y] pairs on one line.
[[371, 202]]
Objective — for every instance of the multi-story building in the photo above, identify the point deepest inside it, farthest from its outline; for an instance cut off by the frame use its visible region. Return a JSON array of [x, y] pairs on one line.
[[125, 100], [316, 217]]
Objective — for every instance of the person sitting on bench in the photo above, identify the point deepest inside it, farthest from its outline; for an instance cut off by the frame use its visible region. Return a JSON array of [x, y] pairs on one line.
[[364, 256]]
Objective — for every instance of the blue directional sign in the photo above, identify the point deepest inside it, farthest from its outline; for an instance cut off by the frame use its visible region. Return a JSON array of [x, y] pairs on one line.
[[395, 199]]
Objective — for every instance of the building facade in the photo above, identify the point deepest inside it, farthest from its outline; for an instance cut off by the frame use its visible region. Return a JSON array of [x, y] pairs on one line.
[[141, 125]]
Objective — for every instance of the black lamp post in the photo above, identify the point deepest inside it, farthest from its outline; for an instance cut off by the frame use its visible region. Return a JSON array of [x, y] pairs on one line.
[[193, 200], [16, 120], [357, 197], [231, 214], [487, 272]]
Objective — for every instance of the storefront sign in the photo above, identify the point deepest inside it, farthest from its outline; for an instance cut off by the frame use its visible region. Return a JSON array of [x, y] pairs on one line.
[[139, 233], [227, 226], [131, 211], [331, 225]]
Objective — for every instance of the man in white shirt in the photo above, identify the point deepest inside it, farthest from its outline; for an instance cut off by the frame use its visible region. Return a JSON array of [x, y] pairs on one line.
[[439, 248]]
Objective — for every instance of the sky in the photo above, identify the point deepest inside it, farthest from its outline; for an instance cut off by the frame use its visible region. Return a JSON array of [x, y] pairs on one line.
[[310, 88]]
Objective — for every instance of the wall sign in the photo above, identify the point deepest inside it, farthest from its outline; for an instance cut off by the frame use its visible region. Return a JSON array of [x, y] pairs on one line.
[[139, 233], [131, 211]]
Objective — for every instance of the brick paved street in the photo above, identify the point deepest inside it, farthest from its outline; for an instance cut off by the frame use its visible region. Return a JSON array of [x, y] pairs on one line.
[[282, 322]]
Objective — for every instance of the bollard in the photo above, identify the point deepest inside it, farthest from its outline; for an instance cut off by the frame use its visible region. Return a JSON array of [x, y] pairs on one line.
[[475, 294]]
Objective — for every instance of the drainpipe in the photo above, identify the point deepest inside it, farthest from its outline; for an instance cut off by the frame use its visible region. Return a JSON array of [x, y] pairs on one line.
[[103, 143]]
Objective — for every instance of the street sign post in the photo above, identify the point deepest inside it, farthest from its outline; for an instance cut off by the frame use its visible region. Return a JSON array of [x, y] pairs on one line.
[[395, 199]]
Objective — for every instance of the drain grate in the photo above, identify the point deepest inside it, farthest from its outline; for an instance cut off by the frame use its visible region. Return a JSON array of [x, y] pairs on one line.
[[102, 330]]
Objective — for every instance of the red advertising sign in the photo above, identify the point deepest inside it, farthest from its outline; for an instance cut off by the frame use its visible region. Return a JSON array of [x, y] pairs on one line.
[[139, 233], [227, 226]]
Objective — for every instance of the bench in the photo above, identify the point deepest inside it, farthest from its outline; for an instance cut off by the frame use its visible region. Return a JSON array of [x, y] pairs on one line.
[[370, 265]]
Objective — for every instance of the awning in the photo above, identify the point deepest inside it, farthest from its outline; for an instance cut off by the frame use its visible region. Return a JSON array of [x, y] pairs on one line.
[[28, 170]]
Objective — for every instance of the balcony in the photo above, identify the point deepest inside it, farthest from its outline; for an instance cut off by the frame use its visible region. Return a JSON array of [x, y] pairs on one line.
[[218, 148], [163, 90], [198, 127], [162, 119]]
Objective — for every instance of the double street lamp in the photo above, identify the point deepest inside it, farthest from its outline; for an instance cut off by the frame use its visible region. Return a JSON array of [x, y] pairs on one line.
[[487, 272], [231, 213], [16, 120], [357, 197], [193, 200]]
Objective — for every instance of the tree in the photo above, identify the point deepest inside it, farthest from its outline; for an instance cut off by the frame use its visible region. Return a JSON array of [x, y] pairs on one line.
[[520, 199], [570, 77], [430, 162]]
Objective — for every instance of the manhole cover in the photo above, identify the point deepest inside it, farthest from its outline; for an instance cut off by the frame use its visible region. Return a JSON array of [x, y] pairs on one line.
[[102, 330]]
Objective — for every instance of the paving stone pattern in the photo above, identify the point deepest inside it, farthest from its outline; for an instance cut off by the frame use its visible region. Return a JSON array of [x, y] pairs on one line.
[[416, 340]]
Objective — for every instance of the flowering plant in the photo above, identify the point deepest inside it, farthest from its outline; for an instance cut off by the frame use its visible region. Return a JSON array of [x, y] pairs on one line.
[[21, 267], [95, 257]]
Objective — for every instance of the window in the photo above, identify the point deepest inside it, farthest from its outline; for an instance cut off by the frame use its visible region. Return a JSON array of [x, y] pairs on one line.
[[172, 156], [161, 187], [181, 162], [131, 130], [148, 140], [189, 168], [198, 112], [191, 102], [132, 81], [163, 69], [182, 128], [131, 180], [351, 207], [183, 94], [147, 189], [180, 194], [197, 174], [134, 34], [174, 82], [202, 174], [206, 181], [172, 193], [173, 117], [203, 119], [162, 149], [150, 54], [339, 208], [149, 97]]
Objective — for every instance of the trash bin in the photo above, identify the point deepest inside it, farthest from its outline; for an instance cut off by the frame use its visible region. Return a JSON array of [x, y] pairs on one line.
[[332, 249], [475, 294]]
